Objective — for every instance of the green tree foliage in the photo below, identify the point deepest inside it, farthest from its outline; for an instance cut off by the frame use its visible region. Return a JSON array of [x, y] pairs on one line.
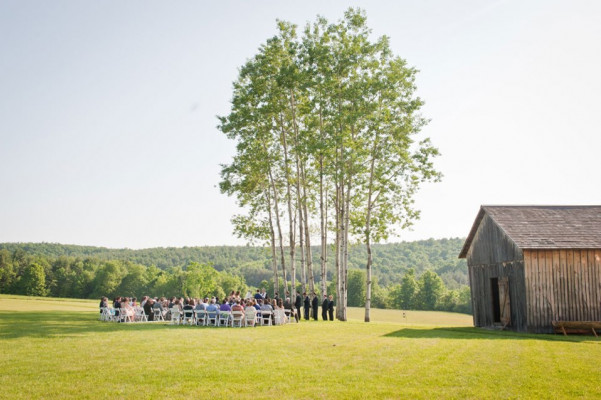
[[107, 279], [80, 276], [431, 290], [33, 281], [324, 124], [356, 288], [8, 272], [405, 296], [201, 280], [391, 261], [380, 295], [134, 283]]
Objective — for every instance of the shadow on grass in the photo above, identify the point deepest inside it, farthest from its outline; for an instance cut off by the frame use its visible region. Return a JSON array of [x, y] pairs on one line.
[[45, 324], [469, 333]]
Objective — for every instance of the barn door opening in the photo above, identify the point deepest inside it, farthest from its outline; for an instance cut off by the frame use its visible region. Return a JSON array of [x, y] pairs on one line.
[[496, 305], [501, 310]]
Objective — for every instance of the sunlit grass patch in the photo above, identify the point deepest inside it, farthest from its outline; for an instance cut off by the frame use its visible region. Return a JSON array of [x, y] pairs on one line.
[[70, 354]]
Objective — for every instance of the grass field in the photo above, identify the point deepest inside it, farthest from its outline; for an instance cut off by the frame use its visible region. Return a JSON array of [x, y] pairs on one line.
[[56, 348]]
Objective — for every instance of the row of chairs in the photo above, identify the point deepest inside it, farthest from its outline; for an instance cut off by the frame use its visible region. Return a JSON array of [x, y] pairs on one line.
[[201, 317], [109, 314], [228, 318]]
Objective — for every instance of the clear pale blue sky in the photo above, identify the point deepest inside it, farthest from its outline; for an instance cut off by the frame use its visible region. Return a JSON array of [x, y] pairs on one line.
[[107, 110]]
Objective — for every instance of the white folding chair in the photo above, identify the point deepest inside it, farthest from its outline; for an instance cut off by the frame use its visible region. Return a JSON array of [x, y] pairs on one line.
[[237, 319], [224, 318], [140, 315], [250, 317], [266, 318], [158, 314], [290, 315], [188, 317], [125, 315], [212, 318], [176, 317], [105, 315], [201, 317]]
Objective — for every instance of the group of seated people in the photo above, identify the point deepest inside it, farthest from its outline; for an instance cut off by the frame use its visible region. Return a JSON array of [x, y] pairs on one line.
[[124, 308]]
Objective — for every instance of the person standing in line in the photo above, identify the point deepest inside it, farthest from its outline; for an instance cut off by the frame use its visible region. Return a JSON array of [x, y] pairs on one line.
[[314, 306], [324, 307], [298, 302], [331, 307], [307, 305]]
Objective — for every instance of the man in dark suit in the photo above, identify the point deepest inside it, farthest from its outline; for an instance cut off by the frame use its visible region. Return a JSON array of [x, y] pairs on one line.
[[331, 307], [148, 309], [117, 307], [307, 305], [324, 307], [298, 302], [314, 306]]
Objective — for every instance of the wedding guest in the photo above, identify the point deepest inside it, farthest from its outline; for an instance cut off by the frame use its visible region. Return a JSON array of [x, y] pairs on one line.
[[324, 307], [225, 306], [148, 309]]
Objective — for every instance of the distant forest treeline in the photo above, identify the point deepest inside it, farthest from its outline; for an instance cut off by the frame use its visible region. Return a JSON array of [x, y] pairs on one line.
[[93, 271], [391, 261]]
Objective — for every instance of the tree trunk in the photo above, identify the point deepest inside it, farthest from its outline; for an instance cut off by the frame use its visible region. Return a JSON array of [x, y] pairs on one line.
[[368, 267], [323, 230], [276, 282], [340, 247], [291, 215], [301, 224], [274, 261], [309, 255]]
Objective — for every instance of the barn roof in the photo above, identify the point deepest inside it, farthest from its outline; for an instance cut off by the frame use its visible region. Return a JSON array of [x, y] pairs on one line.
[[544, 227]]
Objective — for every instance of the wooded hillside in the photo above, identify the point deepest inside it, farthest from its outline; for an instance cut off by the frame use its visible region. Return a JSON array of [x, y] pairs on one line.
[[391, 261]]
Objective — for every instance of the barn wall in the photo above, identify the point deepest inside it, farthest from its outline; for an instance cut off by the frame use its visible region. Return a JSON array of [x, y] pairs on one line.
[[493, 254], [562, 285], [482, 300], [491, 245]]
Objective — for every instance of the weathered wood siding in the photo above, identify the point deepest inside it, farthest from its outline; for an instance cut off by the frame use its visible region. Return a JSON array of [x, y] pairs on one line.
[[562, 285], [493, 254], [491, 245], [480, 283]]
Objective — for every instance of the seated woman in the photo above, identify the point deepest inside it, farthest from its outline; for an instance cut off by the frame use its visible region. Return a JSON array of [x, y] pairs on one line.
[[104, 303], [279, 316], [127, 311], [250, 313], [237, 306], [176, 305]]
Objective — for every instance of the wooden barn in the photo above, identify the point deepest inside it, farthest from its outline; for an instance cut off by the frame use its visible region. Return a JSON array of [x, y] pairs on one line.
[[532, 265]]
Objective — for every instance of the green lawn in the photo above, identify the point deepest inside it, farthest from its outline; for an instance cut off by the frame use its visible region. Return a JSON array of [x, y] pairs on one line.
[[56, 348]]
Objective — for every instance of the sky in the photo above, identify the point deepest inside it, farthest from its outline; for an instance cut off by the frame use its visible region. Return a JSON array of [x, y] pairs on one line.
[[108, 110]]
